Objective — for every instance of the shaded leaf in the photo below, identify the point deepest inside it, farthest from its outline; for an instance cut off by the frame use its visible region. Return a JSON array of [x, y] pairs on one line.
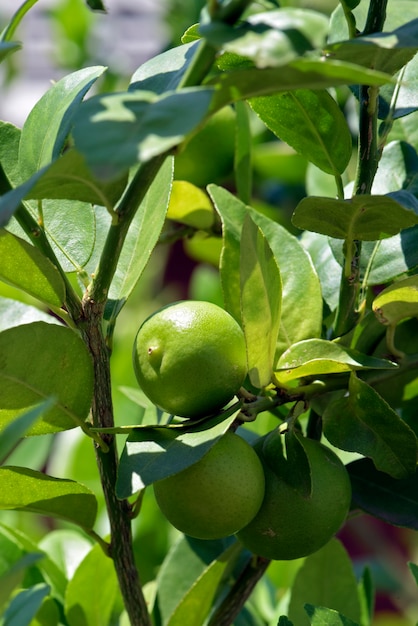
[[321, 616], [339, 592], [13, 576], [363, 217], [25, 267], [8, 47], [24, 489], [397, 302], [313, 357], [301, 289], [25, 605], [141, 239], [96, 5], [48, 124], [363, 422], [92, 591], [394, 501], [153, 453], [14, 313], [243, 166], [312, 123], [261, 293], [414, 569], [40, 360], [14, 431]]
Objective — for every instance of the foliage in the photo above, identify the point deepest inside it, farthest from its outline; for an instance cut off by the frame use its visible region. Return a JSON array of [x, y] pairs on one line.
[[323, 112]]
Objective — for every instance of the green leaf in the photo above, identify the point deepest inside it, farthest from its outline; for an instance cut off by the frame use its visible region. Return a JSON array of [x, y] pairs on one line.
[[326, 265], [326, 578], [190, 205], [304, 73], [414, 570], [153, 453], [376, 493], [185, 562], [14, 576], [363, 422], [314, 357], [363, 217], [92, 591], [14, 431], [165, 71], [24, 489], [48, 124], [119, 130], [367, 596], [197, 602], [301, 288], [25, 605], [8, 47], [284, 621], [397, 302], [270, 38], [141, 239], [312, 123], [25, 267], [14, 313], [321, 616], [96, 5], [15, 20], [405, 100], [261, 292], [243, 167], [40, 360]]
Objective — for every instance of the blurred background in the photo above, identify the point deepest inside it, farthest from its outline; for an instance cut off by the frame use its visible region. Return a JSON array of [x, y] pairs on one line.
[[61, 36]]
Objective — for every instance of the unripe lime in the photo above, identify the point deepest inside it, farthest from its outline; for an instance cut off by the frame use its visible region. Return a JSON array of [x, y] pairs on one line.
[[190, 358], [290, 523], [216, 496]]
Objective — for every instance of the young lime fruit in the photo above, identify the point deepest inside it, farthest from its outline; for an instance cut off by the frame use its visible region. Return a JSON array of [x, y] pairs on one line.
[[216, 496], [291, 522], [190, 358]]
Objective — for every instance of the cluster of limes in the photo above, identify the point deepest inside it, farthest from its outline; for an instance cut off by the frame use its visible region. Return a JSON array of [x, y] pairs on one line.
[[190, 360]]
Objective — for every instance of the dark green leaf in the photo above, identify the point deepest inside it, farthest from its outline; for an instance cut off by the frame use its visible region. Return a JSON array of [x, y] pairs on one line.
[[384, 497], [301, 288], [261, 294], [96, 5], [24, 489], [7, 47], [165, 71], [326, 578], [243, 166], [363, 422], [363, 217], [119, 130], [25, 605], [153, 453], [48, 124], [284, 621], [321, 616], [313, 357], [13, 576], [39, 361], [25, 267], [92, 591], [141, 239], [367, 596], [414, 570], [312, 123], [270, 38], [14, 431]]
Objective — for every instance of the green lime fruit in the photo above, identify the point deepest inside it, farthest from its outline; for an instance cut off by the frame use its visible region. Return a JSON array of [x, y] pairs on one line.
[[294, 522], [218, 495], [190, 358]]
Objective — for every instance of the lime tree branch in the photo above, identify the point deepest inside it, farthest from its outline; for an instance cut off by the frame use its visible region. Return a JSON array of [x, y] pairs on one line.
[[368, 160]]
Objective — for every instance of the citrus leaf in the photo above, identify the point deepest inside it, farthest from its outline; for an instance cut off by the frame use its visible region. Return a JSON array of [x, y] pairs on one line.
[[92, 591], [190, 205], [313, 357], [8, 47], [364, 217], [397, 302], [48, 124], [25, 605], [321, 616], [25, 267], [243, 165], [142, 237], [260, 302], [14, 575], [363, 422], [14, 313], [197, 602], [14, 431], [414, 570], [16, 19], [312, 123], [153, 453], [40, 360], [117, 131], [394, 501], [301, 309], [340, 593], [25, 489]]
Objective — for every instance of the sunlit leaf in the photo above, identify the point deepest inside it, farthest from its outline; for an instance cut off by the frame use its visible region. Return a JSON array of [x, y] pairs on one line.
[[190, 205], [322, 616], [15, 430], [398, 301]]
